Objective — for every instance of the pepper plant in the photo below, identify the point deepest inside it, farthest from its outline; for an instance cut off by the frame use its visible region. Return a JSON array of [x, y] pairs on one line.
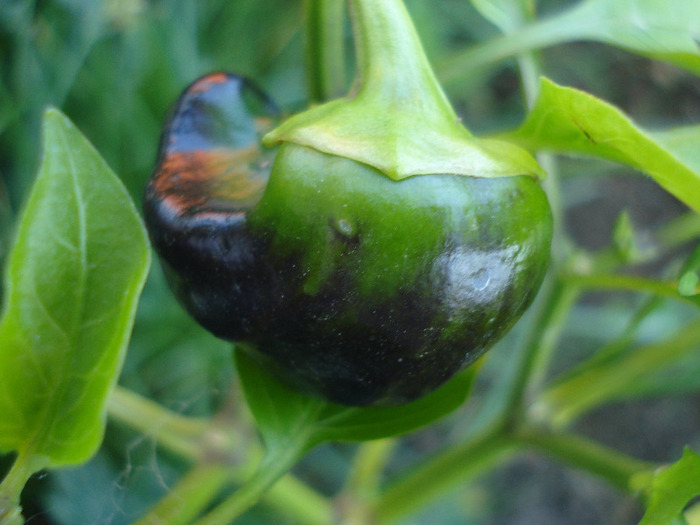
[[362, 256]]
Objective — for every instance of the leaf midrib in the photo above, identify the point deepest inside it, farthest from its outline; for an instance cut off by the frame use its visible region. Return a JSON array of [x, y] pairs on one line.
[[56, 399]]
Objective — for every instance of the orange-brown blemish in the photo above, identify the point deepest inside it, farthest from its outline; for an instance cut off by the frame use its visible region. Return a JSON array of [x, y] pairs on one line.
[[205, 83], [215, 179]]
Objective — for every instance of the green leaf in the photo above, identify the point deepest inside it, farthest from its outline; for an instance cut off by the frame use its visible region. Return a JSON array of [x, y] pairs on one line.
[[683, 143], [672, 489], [363, 424], [283, 414], [566, 120], [75, 274], [668, 31], [280, 412]]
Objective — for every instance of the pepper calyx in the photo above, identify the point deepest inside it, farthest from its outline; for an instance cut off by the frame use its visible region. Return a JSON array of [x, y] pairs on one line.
[[397, 118]]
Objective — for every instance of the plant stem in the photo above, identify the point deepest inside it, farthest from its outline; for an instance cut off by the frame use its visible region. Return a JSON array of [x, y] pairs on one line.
[[12, 485], [185, 502], [204, 440], [362, 486], [400, 58], [610, 381], [626, 282], [530, 71], [453, 466], [293, 498], [546, 328], [529, 63], [10, 491], [325, 51], [613, 466], [529, 66], [271, 469], [183, 435], [368, 465], [194, 492]]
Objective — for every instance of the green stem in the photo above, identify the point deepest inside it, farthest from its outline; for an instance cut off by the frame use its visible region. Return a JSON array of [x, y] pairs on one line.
[[293, 498], [549, 340], [368, 465], [547, 329], [619, 345], [461, 463], [397, 118], [626, 282], [453, 466], [271, 469], [204, 440], [616, 468], [183, 435], [325, 52], [555, 305], [359, 495], [12, 485], [193, 493], [529, 66], [400, 58], [565, 401]]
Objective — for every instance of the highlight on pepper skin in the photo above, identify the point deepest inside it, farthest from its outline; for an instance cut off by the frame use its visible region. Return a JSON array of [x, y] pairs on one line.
[[346, 284]]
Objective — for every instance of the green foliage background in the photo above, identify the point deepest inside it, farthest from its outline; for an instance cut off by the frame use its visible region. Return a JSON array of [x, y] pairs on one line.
[[114, 67]]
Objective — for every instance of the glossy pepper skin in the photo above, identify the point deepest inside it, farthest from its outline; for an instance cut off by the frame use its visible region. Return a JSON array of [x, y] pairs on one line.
[[350, 286]]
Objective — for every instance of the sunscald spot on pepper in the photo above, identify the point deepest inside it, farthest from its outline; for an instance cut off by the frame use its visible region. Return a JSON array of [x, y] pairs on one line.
[[209, 160], [196, 182]]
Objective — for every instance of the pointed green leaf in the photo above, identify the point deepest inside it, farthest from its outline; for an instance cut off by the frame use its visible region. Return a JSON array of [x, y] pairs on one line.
[[672, 489], [566, 120], [75, 274]]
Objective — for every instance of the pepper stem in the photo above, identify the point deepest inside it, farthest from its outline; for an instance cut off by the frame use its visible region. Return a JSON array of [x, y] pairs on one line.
[[394, 69], [396, 118], [325, 54]]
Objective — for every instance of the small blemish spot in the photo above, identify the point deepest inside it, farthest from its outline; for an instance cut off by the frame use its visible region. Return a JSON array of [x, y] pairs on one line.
[[345, 227], [481, 279]]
